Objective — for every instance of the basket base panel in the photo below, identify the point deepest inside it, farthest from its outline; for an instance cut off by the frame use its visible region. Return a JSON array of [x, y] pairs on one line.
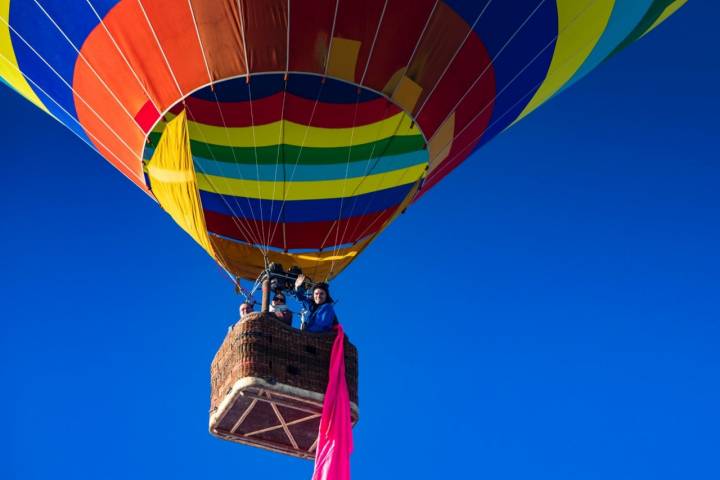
[[270, 420]]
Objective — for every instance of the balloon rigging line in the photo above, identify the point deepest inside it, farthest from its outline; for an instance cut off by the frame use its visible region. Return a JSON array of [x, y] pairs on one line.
[[452, 59], [534, 88], [332, 37], [210, 78], [300, 151], [122, 55], [352, 194], [257, 167], [189, 111], [490, 64], [391, 95], [369, 226], [232, 150], [202, 47], [241, 13], [417, 45], [420, 37], [317, 99], [281, 139], [235, 162], [80, 54], [5, 21], [441, 167], [372, 47], [235, 217], [338, 239], [336, 224], [382, 184], [219, 108], [162, 51], [93, 147], [365, 231], [487, 68], [287, 40]]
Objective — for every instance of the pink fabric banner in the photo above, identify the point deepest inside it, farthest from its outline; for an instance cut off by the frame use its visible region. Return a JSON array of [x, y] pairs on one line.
[[335, 444]]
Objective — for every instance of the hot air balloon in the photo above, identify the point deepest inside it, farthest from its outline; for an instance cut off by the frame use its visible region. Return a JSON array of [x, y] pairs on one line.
[[293, 132]]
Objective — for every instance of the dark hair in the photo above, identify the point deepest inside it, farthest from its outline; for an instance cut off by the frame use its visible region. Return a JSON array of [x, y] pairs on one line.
[[326, 288]]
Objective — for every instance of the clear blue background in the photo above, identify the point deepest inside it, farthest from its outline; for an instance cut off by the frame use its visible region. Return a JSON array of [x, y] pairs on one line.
[[551, 310]]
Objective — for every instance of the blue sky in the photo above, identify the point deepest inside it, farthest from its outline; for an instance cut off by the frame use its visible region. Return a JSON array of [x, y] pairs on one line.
[[550, 310]]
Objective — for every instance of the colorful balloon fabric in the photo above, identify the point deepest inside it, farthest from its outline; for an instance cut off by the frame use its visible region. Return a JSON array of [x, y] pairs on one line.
[[295, 131]]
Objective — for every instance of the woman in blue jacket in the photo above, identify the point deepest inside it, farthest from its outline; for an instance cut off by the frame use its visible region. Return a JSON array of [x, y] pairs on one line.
[[321, 316]]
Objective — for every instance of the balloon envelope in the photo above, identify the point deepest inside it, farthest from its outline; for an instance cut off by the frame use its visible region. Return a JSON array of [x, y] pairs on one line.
[[297, 130]]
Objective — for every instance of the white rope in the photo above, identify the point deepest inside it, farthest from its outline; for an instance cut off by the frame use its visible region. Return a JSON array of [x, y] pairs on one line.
[[332, 36], [219, 108], [177, 85], [491, 63], [162, 51], [367, 206], [4, 20], [367, 171], [80, 54], [40, 89], [202, 48], [364, 231], [417, 45], [122, 55], [236, 163], [288, 183], [336, 248], [287, 41], [257, 166], [241, 12], [372, 46], [508, 110], [452, 59], [235, 217], [281, 137], [347, 172], [281, 140]]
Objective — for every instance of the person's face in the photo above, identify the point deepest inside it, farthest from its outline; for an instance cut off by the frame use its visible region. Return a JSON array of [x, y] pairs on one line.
[[245, 309], [278, 300], [319, 296]]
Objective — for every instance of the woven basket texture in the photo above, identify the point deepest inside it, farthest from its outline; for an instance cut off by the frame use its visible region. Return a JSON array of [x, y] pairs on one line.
[[262, 346]]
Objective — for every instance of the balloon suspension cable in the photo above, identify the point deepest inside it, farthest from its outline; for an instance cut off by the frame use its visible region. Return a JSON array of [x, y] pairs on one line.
[[239, 289], [243, 291], [279, 280]]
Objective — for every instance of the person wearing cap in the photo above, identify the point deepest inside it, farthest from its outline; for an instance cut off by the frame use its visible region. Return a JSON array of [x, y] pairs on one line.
[[279, 308], [321, 316]]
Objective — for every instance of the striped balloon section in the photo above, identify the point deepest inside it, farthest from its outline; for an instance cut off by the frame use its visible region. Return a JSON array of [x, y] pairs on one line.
[[312, 124]]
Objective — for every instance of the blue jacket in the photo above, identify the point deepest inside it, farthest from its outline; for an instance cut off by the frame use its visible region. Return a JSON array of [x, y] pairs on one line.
[[321, 318]]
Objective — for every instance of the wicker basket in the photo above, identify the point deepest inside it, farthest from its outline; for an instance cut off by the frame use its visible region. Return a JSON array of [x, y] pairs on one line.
[[268, 383]]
